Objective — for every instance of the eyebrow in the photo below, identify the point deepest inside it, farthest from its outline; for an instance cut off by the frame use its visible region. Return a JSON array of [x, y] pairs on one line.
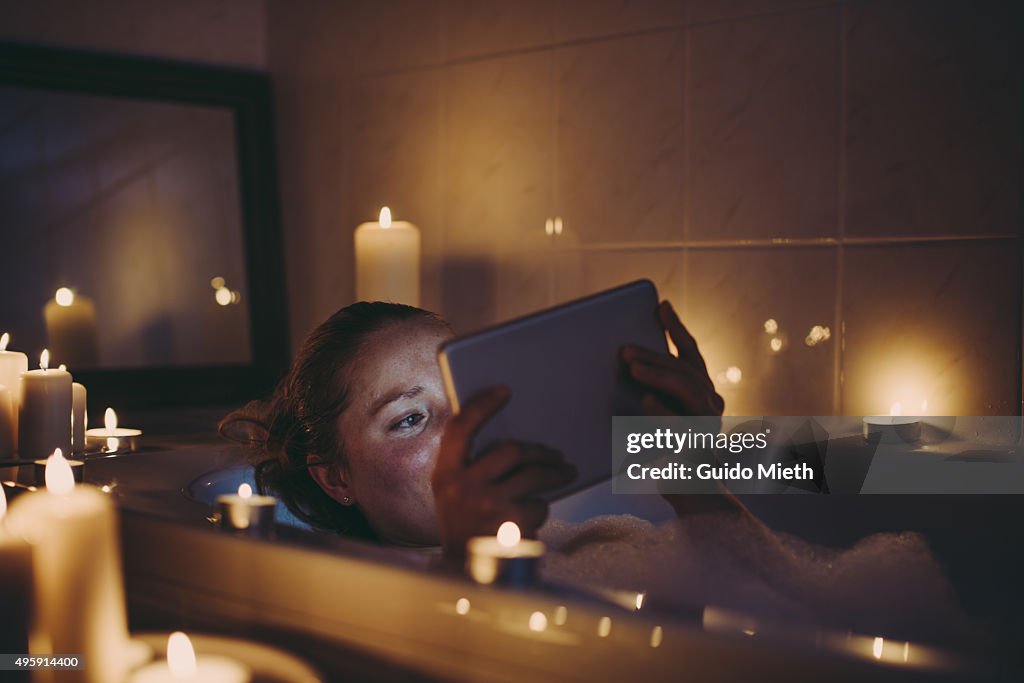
[[391, 398]]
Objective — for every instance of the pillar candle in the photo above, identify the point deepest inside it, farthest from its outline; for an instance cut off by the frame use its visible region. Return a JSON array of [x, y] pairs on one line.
[[15, 586], [44, 420], [71, 328], [12, 364], [78, 595], [388, 261], [78, 419], [8, 423]]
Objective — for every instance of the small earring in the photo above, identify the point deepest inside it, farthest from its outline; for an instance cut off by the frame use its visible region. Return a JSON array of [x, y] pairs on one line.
[[346, 500]]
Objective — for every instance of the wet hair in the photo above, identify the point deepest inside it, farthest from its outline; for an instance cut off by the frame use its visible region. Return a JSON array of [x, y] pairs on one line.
[[301, 418]]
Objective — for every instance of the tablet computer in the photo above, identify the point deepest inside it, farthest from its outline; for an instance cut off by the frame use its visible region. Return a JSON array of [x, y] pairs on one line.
[[564, 370]]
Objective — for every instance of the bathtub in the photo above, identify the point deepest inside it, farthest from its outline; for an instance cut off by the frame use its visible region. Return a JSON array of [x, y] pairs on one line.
[[359, 611]]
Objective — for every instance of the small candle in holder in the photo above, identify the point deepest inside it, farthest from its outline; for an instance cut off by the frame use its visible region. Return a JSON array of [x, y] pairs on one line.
[[77, 468], [44, 417], [505, 558], [182, 665], [110, 436], [244, 511], [894, 427]]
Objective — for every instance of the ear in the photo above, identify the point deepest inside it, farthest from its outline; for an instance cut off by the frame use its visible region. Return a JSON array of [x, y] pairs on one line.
[[332, 478]]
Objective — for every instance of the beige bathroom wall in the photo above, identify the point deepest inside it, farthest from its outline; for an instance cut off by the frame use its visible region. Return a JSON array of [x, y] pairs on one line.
[[226, 32], [848, 165]]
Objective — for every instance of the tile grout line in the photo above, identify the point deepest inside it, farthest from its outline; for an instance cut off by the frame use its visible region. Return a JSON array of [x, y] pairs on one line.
[[685, 25], [838, 349], [783, 243]]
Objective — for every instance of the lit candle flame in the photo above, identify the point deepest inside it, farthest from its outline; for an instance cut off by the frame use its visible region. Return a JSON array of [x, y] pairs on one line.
[[44, 359], [509, 534], [64, 297], [3, 504], [245, 491], [110, 419], [59, 479], [385, 217], [640, 600], [4, 340], [181, 657], [876, 647]]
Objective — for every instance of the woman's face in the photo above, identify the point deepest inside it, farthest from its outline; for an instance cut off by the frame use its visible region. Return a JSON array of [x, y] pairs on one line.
[[391, 430]]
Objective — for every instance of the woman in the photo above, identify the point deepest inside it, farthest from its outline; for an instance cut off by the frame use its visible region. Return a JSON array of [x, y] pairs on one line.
[[359, 439]]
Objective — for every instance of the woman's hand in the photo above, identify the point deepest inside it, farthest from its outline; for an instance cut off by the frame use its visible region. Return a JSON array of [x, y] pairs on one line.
[[673, 386], [473, 498], [680, 386]]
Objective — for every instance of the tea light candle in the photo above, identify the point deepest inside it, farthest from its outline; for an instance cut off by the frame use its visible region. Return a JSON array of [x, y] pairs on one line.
[[505, 558], [77, 469], [110, 435], [893, 428], [78, 591], [246, 512], [12, 365], [44, 417], [388, 261], [15, 586], [182, 664]]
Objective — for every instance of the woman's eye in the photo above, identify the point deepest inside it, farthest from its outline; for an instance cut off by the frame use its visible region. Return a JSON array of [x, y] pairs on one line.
[[408, 422]]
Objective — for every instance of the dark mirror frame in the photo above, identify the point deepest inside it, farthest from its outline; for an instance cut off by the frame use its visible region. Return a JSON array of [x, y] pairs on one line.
[[247, 94]]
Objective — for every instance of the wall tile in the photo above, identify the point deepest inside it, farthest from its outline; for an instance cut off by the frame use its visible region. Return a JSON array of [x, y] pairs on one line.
[[231, 32], [327, 39], [391, 156], [582, 19], [619, 168], [933, 125], [578, 274], [704, 11], [482, 27], [937, 323], [728, 297], [497, 152], [318, 243], [762, 127]]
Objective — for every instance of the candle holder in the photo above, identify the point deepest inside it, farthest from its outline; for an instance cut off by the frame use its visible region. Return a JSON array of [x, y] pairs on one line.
[[490, 562], [251, 515], [77, 471], [892, 429], [120, 440]]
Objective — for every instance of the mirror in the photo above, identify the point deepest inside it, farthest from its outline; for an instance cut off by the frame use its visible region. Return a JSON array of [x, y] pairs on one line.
[[141, 236]]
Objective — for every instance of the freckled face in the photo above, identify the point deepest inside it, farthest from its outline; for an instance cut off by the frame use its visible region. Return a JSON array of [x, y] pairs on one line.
[[391, 430]]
